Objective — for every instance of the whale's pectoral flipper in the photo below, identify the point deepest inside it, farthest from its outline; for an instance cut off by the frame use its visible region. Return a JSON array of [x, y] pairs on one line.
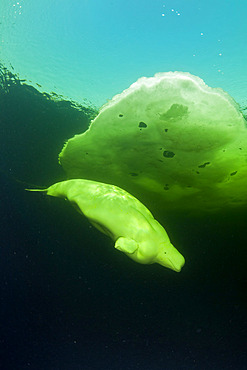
[[126, 245]]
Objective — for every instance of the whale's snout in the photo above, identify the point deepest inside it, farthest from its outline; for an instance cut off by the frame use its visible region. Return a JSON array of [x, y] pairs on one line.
[[177, 266], [171, 258]]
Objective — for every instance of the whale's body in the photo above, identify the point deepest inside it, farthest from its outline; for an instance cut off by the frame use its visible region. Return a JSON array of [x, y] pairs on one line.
[[124, 218]]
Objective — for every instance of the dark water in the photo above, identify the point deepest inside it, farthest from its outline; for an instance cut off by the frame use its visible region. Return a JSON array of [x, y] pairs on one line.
[[70, 301]]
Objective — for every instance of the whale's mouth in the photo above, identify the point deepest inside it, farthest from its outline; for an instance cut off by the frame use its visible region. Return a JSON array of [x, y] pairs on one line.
[[177, 265], [173, 264], [176, 268]]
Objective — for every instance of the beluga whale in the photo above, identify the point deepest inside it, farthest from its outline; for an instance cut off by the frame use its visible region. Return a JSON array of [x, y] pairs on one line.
[[123, 218]]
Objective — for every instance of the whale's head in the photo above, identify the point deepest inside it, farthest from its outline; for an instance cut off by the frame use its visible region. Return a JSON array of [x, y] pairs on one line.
[[170, 257], [151, 250], [152, 246], [165, 253]]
